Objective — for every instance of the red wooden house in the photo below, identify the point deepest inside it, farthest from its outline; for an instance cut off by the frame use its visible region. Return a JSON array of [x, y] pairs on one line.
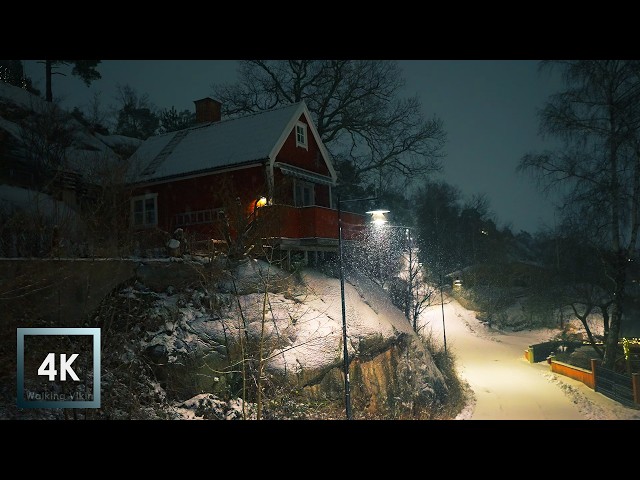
[[270, 165]]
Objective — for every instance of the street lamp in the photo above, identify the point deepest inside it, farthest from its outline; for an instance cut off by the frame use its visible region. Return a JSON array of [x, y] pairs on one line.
[[377, 217], [345, 352], [379, 221]]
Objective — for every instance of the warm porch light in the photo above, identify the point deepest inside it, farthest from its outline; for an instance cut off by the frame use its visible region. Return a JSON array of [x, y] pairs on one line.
[[262, 201], [377, 217]]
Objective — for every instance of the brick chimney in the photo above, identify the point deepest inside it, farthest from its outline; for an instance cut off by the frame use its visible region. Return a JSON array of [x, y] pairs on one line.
[[208, 110]]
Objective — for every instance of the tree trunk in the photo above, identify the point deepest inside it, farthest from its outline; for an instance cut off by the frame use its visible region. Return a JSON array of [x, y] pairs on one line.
[[48, 80], [611, 341]]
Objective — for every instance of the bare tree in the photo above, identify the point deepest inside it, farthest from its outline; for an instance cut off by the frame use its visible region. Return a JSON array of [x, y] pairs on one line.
[[356, 106], [267, 318], [577, 280], [96, 114], [589, 299], [105, 205], [421, 293], [46, 135], [597, 169]]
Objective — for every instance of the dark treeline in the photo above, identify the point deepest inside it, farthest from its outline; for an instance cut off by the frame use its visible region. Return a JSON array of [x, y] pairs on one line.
[[131, 113], [454, 232]]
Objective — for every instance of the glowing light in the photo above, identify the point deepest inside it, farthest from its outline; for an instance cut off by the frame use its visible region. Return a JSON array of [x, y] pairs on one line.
[[261, 202], [377, 217]]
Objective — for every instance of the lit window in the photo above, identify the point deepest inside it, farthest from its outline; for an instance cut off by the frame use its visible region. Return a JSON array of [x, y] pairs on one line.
[[301, 135], [144, 210]]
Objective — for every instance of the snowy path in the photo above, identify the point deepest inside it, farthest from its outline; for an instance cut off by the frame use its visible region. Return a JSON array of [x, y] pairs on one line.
[[505, 385]]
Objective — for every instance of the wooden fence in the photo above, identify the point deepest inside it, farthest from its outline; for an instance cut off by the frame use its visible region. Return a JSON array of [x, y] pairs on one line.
[[621, 387]]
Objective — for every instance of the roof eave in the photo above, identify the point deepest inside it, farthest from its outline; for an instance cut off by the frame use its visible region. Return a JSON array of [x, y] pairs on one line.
[[202, 172]]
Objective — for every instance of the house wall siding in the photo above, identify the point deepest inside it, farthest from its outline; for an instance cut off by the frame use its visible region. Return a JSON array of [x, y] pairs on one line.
[[309, 159], [284, 190], [206, 192]]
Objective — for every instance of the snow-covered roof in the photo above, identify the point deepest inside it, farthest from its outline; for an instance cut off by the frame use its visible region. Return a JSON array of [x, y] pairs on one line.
[[15, 198], [20, 96], [205, 147], [119, 140], [84, 155]]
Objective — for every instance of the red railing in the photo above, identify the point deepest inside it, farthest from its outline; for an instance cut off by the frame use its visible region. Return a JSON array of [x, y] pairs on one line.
[[314, 222], [285, 222]]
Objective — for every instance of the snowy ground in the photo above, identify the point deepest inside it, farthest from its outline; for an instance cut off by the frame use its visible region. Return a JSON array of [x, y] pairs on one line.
[[503, 384]]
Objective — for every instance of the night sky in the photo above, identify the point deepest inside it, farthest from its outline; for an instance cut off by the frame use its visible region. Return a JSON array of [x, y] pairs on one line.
[[488, 108]]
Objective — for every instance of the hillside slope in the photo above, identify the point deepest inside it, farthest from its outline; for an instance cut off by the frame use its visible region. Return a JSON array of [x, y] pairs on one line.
[[182, 338]]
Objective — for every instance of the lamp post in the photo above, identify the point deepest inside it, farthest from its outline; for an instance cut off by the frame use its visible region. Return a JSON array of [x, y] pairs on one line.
[[345, 351], [409, 301], [444, 333], [408, 308]]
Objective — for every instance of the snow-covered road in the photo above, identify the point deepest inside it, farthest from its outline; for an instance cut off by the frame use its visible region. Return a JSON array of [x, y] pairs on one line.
[[505, 385]]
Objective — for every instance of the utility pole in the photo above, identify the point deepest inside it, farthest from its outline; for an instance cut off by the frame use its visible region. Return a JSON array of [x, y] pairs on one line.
[[444, 333], [345, 351], [410, 299]]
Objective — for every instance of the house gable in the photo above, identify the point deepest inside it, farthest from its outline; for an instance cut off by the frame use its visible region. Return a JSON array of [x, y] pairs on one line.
[[303, 158]]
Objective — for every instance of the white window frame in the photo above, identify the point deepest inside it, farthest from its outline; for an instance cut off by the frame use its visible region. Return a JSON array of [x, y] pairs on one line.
[[304, 143], [143, 199], [299, 202]]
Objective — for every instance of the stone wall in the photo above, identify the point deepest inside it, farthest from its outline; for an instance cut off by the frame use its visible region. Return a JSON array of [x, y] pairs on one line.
[[62, 292]]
